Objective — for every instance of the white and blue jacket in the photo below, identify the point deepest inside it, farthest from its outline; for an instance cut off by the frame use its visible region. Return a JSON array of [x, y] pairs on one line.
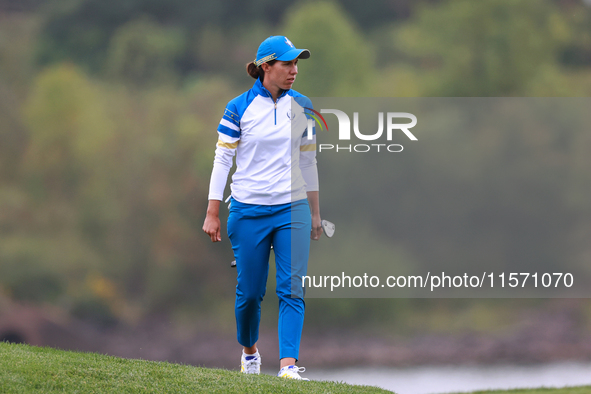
[[275, 158]]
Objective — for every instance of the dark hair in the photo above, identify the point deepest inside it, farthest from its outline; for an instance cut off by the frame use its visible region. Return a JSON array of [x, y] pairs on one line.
[[257, 72]]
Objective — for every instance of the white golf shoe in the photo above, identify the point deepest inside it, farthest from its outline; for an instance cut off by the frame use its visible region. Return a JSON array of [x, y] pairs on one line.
[[250, 363], [292, 372]]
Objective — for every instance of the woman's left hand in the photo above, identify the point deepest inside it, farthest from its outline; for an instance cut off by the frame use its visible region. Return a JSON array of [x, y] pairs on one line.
[[316, 228]]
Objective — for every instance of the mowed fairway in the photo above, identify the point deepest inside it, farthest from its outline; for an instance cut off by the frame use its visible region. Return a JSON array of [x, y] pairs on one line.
[[29, 369]]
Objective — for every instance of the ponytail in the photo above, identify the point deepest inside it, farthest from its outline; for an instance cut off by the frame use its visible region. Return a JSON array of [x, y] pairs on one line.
[[257, 72], [254, 71]]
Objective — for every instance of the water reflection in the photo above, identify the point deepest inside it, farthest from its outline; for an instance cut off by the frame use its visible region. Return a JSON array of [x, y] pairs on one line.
[[446, 379]]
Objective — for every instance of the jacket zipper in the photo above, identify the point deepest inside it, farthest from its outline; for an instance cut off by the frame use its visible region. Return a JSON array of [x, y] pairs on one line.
[[275, 103]]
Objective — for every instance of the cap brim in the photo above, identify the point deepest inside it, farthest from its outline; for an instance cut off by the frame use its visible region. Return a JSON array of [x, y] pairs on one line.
[[294, 53]]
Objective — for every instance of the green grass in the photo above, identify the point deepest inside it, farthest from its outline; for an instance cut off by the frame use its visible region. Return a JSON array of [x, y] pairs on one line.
[[29, 369]]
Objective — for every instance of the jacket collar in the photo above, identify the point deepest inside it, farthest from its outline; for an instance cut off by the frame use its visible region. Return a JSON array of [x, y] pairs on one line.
[[259, 89]]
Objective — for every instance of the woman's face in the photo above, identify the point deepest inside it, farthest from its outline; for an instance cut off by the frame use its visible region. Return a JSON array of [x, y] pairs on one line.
[[281, 74]]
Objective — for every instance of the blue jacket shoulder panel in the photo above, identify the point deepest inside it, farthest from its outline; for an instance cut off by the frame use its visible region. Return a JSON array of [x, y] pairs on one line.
[[304, 102], [234, 111], [300, 98]]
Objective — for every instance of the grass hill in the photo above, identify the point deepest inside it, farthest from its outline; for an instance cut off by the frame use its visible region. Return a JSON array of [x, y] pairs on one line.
[[27, 369]]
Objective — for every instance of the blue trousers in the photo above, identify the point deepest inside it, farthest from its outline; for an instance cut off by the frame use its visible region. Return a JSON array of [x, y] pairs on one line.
[[252, 230]]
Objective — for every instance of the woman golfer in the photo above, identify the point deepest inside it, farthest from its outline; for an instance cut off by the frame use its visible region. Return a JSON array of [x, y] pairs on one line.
[[274, 200]]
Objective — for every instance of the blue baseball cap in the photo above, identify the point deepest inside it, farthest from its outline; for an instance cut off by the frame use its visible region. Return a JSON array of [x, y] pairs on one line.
[[279, 48]]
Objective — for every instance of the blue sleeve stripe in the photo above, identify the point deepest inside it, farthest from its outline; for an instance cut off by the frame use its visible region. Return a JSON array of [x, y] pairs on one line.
[[233, 113], [228, 131], [231, 117]]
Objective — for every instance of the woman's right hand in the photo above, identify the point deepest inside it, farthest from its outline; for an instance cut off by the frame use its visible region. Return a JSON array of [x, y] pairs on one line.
[[212, 225]]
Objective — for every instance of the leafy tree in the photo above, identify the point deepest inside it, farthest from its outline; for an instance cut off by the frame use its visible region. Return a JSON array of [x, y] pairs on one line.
[[81, 30], [143, 53], [68, 129], [488, 48], [341, 61]]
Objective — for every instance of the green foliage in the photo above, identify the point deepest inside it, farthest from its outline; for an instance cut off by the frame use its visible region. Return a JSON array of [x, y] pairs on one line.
[[118, 178], [576, 51], [17, 37], [106, 151], [399, 80], [68, 126], [94, 311], [46, 268], [341, 61], [492, 48], [144, 53], [82, 30]]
